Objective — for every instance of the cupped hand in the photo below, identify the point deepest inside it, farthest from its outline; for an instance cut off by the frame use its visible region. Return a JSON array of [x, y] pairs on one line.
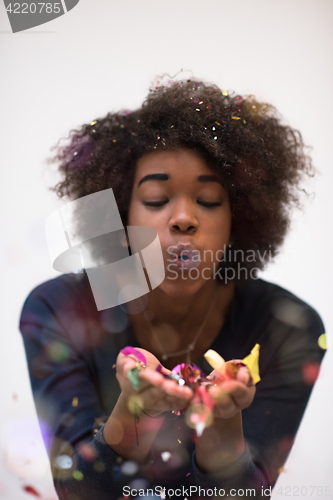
[[231, 395], [156, 394]]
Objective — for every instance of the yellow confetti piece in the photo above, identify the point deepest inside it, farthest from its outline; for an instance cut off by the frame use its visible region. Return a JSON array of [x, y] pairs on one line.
[[322, 341], [281, 469], [252, 362], [75, 401], [114, 140], [179, 441], [236, 118], [244, 121], [225, 93], [215, 360], [217, 123], [93, 123]]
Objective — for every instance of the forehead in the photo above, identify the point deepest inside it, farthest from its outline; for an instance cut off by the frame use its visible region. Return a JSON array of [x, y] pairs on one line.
[[174, 162]]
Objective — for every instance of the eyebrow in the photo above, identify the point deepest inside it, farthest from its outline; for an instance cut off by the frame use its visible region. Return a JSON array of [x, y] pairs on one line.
[[165, 177], [154, 177]]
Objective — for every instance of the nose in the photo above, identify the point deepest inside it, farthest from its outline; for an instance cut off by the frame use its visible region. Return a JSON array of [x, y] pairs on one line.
[[183, 218]]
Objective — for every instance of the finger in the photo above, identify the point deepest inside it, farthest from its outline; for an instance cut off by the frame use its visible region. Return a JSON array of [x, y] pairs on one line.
[[241, 394], [156, 399], [225, 406], [151, 377], [164, 387], [244, 376], [173, 389]]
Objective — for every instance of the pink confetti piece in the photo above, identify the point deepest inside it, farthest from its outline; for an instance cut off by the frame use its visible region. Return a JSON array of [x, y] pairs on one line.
[[127, 351]]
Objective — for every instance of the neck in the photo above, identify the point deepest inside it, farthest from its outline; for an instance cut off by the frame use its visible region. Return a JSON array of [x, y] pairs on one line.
[[186, 310], [169, 324]]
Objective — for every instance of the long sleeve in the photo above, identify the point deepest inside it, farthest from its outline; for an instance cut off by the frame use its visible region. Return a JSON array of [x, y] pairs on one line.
[[287, 330], [71, 348], [55, 327]]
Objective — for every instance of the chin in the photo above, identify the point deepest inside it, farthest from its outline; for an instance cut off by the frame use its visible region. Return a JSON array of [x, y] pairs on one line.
[[181, 288]]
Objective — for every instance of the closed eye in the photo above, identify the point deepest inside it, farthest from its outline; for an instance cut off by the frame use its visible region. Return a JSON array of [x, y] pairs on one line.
[[154, 203], [206, 204], [210, 204]]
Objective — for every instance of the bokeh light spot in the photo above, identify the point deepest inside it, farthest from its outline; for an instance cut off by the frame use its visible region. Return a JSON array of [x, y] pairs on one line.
[[322, 341], [78, 475], [129, 468], [57, 351], [63, 462]]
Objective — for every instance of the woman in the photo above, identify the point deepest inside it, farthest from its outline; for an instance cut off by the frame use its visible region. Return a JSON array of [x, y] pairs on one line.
[[215, 176]]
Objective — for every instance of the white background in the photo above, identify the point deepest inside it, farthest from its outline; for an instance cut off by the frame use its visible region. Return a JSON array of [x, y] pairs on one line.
[[103, 56]]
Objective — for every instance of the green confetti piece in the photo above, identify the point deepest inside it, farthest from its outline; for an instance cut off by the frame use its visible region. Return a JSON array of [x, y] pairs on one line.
[[133, 377]]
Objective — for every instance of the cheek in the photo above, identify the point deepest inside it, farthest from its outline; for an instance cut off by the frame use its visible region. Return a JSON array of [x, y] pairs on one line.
[[218, 230]]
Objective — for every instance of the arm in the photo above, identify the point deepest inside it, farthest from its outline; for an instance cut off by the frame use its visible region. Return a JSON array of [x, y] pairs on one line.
[[67, 397], [268, 426]]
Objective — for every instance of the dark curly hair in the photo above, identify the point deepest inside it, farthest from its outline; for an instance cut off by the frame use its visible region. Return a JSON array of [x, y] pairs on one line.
[[259, 160]]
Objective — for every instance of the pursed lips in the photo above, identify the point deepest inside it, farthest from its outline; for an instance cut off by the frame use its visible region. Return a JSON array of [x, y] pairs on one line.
[[184, 256]]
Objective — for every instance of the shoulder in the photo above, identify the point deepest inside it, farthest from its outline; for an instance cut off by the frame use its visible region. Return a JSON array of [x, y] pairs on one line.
[[67, 294]]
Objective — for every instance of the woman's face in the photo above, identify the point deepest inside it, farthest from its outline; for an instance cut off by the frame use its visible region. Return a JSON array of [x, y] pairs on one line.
[[176, 193]]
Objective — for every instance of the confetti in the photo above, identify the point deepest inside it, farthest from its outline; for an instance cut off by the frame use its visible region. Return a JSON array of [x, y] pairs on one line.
[[93, 123], [127, 351], [252, 362], [230, 369], [236, 118], [215, 360], [199, 428], [31, 490], [75, 401], [225, 93], [133, 377]]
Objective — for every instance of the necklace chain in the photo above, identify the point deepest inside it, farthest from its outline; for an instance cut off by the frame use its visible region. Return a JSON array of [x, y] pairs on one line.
[[191, 345]]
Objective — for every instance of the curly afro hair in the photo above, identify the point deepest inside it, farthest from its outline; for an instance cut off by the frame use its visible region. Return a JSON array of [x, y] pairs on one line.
[[259, 160]]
